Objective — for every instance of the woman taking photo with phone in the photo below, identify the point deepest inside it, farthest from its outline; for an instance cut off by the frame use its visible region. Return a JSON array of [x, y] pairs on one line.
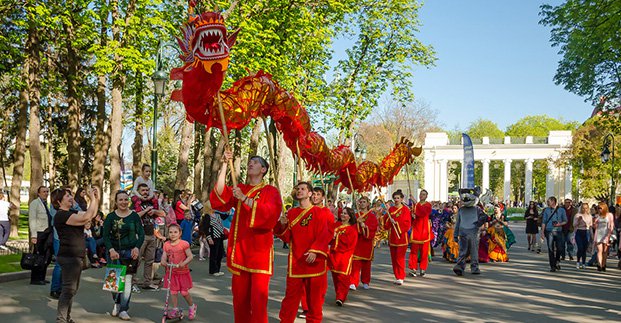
[[70, 227]]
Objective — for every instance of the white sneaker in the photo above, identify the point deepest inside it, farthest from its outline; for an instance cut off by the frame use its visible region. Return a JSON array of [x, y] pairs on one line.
[[413, 273], [124, 316], [3, 247], [201, 259], [399, 282], [219, 274], [352, 287], [578, 265], [115, 310], [365, 286]]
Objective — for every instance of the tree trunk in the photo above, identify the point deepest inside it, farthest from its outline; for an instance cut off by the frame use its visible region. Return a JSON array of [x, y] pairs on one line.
[[116, 125], [34, 128], [183, 172], [102, 135], [199, 142], [139, 127], [208, 152], [254, 139], [18, 154], [73, 126]]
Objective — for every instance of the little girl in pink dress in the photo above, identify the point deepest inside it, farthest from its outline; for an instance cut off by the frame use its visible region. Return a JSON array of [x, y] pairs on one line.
[[177, 253]]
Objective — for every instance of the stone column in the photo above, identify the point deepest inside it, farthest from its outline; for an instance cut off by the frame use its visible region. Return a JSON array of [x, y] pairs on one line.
[[568, 179], [443, 196], [485, 179], [430, 177], [528, 181], [550, 179], [507, 187]]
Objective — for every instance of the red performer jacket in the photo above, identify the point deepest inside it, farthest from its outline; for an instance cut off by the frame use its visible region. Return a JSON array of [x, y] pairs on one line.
[[342, 248], [251, 239], [366, 236], [305, 232], [398, 235], [328, 217], [421, 226]]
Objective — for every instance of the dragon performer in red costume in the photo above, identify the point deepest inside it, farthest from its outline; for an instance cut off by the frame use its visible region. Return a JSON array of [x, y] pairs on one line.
[[205, 47]]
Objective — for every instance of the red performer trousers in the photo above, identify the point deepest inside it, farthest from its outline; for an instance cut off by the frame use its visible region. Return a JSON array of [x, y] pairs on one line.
[[303, 302], [424, 256], [315, 288], [341, 285], [250, 293], [397, 256], [358, 266]]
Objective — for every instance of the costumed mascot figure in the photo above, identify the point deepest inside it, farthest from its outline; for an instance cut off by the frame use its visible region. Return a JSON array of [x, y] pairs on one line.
[[470, 218]]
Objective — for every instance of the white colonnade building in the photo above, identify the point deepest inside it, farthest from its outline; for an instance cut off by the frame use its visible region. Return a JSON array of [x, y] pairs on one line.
[[438, 151]]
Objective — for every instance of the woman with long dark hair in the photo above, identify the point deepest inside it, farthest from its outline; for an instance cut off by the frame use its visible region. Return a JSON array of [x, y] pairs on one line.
[[342, 252], [398, 222], [532, 225], [80, 200]]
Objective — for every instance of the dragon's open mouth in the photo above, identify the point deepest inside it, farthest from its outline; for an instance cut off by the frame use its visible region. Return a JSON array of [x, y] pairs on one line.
[[210, 43]]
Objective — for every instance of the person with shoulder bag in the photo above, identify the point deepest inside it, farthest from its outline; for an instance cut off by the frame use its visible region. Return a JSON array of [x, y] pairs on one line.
[[552, 223], [40, 224], [123, 236]]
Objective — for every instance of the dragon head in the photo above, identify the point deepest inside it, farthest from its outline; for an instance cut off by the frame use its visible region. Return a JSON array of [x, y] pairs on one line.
[[205, 41]]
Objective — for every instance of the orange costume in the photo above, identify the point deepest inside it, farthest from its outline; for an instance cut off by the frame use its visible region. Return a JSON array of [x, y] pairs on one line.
[[341, 256], [306, 232], [421, 236], [250, 254], [398, 237], [363, 255]]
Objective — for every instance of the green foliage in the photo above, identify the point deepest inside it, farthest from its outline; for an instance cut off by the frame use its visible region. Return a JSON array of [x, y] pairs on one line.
[[593, 175], [538, 126], [168, 155], [484, 128], [587, 35], [381, 60]]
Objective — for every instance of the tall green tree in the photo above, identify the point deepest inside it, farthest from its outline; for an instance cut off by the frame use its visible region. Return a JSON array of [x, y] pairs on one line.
[[381, 60], [588, 38]]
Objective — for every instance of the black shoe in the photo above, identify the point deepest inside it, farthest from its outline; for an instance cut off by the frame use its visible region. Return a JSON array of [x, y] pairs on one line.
[[552, 270], [558, 267], [599, 268], [571, 258], [302, 315], [339, 303], [563, 258], [604, 269], [41, 282], [47, 281], [55, 295]]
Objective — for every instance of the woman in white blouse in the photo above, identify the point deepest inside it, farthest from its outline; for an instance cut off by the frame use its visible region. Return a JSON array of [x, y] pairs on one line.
[[604, 224]]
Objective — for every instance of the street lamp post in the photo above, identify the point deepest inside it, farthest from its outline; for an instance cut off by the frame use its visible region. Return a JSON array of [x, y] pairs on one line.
[[607, 154], [159, 85]]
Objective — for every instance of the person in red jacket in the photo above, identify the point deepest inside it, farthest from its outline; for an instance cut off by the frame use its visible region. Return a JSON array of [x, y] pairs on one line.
[[420, 236], [342, 252], [250, 250], [307, 234], [366, 226], [317, 200], [397, 222]]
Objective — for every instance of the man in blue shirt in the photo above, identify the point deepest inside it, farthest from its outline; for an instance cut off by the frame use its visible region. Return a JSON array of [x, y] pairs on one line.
[[554, 218]]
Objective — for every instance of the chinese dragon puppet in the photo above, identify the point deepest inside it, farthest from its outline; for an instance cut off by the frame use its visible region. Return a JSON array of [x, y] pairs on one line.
[[205, 46]]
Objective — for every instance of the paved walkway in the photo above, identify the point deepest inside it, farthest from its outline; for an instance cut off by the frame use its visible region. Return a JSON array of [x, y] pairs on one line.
[[521, 290]]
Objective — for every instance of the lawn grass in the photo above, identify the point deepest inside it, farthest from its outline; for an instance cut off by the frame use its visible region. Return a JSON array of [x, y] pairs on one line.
[[22, 229], [10, 263]]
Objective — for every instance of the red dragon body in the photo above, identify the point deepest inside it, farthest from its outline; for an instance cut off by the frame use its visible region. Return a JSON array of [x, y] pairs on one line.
[[205, 48]]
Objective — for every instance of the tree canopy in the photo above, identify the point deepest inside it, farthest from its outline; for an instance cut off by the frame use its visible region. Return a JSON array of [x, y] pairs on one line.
[[588, 38]]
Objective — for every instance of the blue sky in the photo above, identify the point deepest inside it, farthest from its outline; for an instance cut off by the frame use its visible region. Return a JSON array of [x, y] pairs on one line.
[[494, 61]]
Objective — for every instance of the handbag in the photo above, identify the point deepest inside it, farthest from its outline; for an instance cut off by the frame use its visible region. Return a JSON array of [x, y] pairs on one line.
[[30, 261], [114, 278]]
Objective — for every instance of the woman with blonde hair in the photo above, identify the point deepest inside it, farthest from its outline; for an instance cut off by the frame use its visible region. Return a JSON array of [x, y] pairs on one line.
[[582, 224], [604, 225]]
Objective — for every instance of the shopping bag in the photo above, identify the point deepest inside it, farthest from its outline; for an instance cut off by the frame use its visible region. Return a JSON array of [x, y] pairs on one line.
[[114, 279]]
